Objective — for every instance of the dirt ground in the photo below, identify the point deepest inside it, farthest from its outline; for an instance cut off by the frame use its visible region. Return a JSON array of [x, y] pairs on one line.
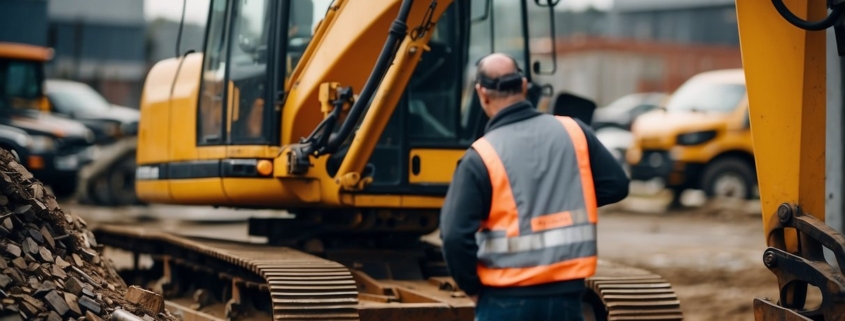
[[712, 255], [713, 260]]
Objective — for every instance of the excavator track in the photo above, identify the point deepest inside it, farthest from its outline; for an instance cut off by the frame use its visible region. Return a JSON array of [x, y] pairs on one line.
[[301, 286], [632, 294]]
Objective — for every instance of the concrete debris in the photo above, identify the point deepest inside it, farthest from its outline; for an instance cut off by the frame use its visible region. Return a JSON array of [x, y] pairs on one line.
[[52, 266]]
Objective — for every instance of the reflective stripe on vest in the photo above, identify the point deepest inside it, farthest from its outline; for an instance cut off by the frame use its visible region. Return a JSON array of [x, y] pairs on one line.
[[542, 222]]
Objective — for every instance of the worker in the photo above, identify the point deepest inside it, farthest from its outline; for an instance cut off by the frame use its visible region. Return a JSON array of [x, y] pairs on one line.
[[518, 224]]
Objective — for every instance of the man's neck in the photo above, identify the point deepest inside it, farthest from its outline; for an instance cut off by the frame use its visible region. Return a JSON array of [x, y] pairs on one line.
[[501, 105]]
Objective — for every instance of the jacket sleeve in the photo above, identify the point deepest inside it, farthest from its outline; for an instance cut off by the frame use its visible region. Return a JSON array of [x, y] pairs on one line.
[[610, 181], [467, 203]]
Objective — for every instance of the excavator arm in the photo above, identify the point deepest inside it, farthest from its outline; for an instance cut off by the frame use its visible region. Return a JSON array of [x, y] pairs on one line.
[[783, 55]]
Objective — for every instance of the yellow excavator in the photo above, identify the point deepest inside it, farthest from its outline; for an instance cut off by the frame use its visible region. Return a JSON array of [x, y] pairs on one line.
[[351, 115]]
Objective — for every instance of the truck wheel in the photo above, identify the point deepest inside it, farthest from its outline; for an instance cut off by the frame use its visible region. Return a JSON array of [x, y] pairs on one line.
[[121, 183], [99, 192], [729, 177]]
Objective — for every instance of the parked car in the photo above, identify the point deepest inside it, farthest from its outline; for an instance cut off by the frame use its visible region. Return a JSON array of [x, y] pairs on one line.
[[53, 149], [702, 140], [78, 101], [622, 112], [617, 141], [112, 180]]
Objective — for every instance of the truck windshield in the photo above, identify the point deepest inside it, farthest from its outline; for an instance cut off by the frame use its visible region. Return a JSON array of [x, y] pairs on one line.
[[76, 98], [21, 83], [706, 97]]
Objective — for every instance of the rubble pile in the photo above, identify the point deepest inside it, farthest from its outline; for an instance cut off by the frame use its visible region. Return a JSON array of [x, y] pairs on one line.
[[52, 267]]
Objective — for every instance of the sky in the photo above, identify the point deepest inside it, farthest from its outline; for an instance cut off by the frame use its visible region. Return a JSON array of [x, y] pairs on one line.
[[196, 9]]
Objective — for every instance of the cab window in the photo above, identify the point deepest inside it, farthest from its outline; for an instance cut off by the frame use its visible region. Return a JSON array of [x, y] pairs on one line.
[[237, 94], [212, 91], [19, 80], [248, 71]]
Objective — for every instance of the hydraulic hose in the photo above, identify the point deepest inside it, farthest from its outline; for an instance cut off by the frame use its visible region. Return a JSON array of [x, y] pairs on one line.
[[823, 24], [397, 32]]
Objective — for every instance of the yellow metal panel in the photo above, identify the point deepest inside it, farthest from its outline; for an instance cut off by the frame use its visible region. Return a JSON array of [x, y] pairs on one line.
[[436, 165], [183, 129], [153, 191], [200, 191], [210, 152], [395, 201], [272, 192], [411, 201], [153, 135], [245, 151], [785, 75]]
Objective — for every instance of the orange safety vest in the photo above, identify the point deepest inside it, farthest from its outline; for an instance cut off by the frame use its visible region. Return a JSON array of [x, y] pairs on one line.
[[542, 222]]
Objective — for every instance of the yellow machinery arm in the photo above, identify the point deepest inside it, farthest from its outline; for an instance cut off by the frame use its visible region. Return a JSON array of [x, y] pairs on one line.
[[783, 55]]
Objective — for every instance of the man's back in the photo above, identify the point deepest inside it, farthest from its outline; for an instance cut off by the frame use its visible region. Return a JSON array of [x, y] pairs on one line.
[[541, 226], [542, 162], [470, 199]]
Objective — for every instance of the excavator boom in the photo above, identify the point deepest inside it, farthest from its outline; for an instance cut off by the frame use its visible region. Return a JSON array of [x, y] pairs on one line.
[[783, 55]]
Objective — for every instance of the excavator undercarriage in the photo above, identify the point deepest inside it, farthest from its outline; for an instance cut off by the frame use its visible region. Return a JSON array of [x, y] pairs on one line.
[[325, 278]]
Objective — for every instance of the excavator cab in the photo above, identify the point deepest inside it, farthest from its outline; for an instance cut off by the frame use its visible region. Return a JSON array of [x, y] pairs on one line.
[[270, 75]]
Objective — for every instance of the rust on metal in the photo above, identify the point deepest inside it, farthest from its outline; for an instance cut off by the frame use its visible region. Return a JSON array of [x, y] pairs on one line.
[[764, 310], [808, 266]]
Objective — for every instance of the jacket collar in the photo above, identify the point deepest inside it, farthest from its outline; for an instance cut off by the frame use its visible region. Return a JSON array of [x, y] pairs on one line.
[[514, 113]]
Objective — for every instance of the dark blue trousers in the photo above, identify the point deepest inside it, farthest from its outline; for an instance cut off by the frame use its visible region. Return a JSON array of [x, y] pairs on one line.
[[534, 308]]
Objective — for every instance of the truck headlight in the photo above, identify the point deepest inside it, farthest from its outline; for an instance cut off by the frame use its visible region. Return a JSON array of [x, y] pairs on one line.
[[41, 144], [695, 138]]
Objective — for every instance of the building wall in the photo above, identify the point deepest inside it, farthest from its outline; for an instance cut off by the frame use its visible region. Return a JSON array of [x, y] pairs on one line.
[[111, 12], [102, 43], [23, 21], [605, 69], [704, 25]]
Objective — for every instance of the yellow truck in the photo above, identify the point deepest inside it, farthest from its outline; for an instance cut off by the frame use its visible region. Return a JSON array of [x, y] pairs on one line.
[[701, 139]]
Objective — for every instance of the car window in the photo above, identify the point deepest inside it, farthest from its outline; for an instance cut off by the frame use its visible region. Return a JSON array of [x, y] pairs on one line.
[[76, 99]]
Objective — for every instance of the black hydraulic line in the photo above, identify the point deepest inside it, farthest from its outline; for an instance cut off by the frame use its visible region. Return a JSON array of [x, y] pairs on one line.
[[397, 32], [181, 25], [827, 22]]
